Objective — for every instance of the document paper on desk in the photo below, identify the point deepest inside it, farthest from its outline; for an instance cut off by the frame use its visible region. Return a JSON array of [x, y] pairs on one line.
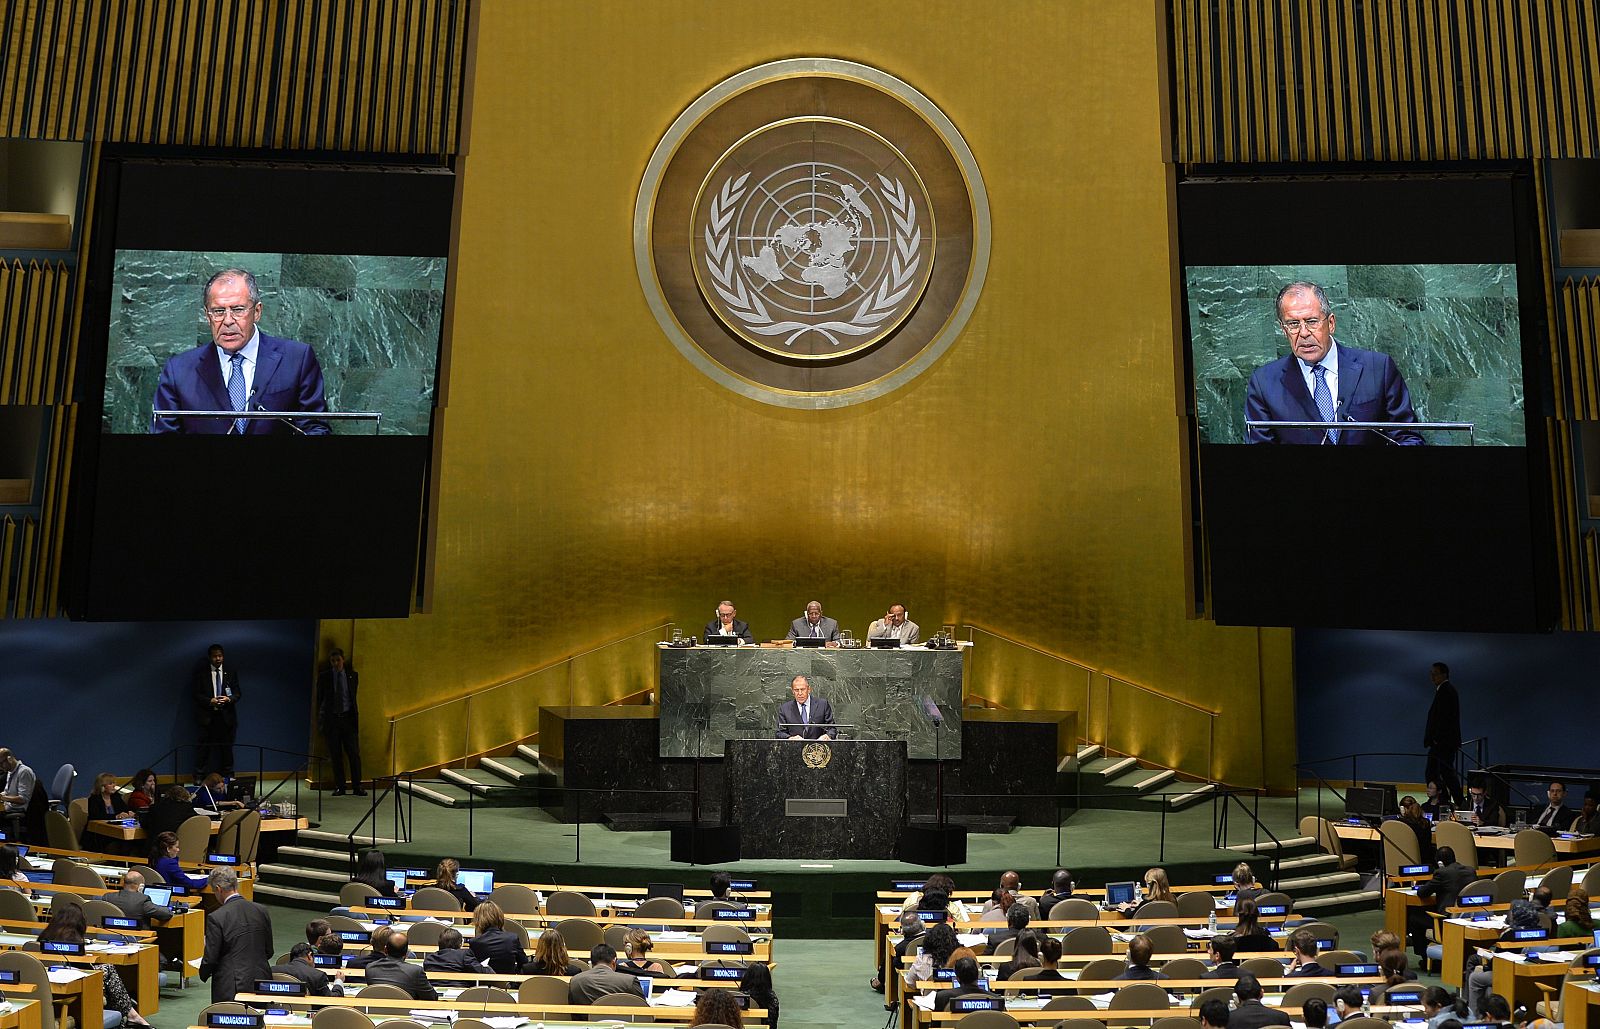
[[62, 976], [670, 998]]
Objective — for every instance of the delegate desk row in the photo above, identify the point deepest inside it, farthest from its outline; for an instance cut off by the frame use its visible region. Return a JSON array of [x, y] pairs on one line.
[[129, 829], [133, 955], [1496, 840], [739, 901], [282, 1008]]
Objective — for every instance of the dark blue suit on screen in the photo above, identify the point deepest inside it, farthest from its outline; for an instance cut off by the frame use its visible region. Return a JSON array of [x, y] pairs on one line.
[[287, 378], [1371, 389]]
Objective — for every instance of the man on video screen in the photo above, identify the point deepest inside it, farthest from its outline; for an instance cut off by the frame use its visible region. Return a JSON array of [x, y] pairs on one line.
[[1322, 380], [242, 369]]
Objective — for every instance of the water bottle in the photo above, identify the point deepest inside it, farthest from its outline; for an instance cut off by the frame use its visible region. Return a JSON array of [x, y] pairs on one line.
[[1211, 919], [1366, 1003]]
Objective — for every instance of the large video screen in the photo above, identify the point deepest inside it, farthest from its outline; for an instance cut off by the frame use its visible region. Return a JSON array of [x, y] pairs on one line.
[[352, 334], [270, 330], [1358, 347]]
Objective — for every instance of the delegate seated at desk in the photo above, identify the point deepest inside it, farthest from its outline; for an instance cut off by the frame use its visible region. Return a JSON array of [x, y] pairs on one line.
[[814, 625], [727, 624], [805, 717]]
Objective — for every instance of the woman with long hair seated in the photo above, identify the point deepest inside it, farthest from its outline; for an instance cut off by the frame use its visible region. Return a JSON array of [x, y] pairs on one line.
[[370, 871], [106, 803], [144, 790], [1575, 917], [938, 943], [717, 1007], [493, 942], [68, 925], [757, 985], [1250, 935], [550, 956], [164, 854], [444, 877]]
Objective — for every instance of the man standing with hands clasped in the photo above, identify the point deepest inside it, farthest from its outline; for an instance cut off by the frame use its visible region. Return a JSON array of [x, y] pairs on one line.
[[1442, 735], [216, 697], [805, 717], [341, 728]]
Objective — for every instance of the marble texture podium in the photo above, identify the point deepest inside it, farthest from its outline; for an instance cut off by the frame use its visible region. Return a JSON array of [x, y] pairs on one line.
[[844, 799], [737, 690]]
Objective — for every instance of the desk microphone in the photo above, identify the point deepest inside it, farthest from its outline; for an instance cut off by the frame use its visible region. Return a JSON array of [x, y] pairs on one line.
[[932, 711], [287, 421], [233, 423]]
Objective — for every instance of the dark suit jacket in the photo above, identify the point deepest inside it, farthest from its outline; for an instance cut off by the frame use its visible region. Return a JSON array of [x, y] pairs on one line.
[[1141, 972], [942, 999], [789, 719], [287, 378], [589, 986], [137, 905], [1311, 968], [327, 696], [165, 816], [1252, 1014], [98, 811], [238, 948], [827, 628], [1446, 885], [1371, 389], [1563, 817], [403, 974], [1443, 731], [317, 982], [740, 629], [502, 949], [200, 692], [1228, 970], [453, 960]]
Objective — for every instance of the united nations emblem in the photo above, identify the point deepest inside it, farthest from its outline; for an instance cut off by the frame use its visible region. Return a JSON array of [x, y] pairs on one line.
[[812, 233], [816, 755]]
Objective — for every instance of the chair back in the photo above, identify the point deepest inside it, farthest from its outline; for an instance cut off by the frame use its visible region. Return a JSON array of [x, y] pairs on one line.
[[1030, 972], [1100, 970], [471, 1023], [1299, 993], [1167, 939], [250, 837], [151, 876], [542, 989], [228, 833], [1262, 968], [485, 995], [723, 933], [1559, 881], [345, 924], [569, 903], [621, 1000], [1332, 959], [1156, 909], [1365, 1022], [58, 830], [515, 899], [1184, 968], [1400, 845], [1061, 1002], [1458, 838], [1532, 847], [194, 836], [707, 908], [1073, 908], [95, 909], [1087, 939], [1322, 831], [524, 938], [345, 1018], [580, 934], [383, 991], [1005, 948], [78, 815], [436, 898], [1141, 997], [1322, 931], [424, 933], [659, 907], [987, 1020], [1176, 1022], [1274, 897], [61, 786], [81, 876], [15, 906], [1078, 1023], [1591, 880], [355, 895], [1510, 885], [62, 899], [31, 970], [1222, 993], [1194, 904], [616, 935]]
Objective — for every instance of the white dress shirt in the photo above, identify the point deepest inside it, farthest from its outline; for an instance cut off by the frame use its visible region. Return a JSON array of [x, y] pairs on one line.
[[1330, 365], [249, 350]]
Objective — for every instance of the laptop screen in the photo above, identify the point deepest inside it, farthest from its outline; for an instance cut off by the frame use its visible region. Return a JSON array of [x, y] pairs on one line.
[[479, 881], [396, 876], [1120, 893], [673, 890], [160, 896]]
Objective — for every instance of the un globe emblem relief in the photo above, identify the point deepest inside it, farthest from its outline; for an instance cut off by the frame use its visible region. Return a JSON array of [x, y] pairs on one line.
[[812, 233]]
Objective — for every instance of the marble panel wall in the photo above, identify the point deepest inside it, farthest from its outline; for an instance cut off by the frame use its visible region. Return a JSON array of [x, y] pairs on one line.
[[738, 690], [1452, 330], [373, 321], [764, 775]]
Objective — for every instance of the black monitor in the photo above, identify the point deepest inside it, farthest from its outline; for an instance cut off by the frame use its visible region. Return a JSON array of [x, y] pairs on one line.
[[1369, 802]]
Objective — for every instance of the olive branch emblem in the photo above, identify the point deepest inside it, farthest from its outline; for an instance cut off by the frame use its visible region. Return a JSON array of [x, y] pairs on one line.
[[746, 305]]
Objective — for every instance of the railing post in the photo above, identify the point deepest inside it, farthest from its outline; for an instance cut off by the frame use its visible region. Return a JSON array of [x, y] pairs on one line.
[[1163, 849], [466, 733]]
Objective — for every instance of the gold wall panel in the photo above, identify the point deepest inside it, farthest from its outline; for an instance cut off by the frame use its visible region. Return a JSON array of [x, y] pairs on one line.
[[593, 482], [373, 75], [1295, 80]]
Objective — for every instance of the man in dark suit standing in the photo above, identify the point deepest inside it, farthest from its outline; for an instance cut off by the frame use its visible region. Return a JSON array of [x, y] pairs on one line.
[[1251, 1013], [340, 721], [1445, 886], [241, 369], [1442, 734], [216, 698], [726, 624], [238, 940], [805, 717], [1322, 380]]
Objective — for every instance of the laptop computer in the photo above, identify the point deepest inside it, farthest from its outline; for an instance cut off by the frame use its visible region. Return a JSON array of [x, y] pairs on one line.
[[719, 640], [673, 890], [398, 877], [810, 641], [160, 896], [477, 881], [242, 788], [884, 642], [1120, 893]]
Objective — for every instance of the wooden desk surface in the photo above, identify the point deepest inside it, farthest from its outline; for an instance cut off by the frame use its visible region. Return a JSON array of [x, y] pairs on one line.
[[1580, 1004], [659, 1013], [119, 831], [24, 1014], [1489, 841], [1514, 980]]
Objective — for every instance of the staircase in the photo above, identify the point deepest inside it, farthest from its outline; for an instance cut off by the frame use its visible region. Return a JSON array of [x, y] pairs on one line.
[[1312, 878], [509, 781], [1125, 779], [309, 873]]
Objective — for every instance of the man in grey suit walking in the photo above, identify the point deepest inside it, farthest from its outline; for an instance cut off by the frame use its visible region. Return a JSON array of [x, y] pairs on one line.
[[238, 940], [812, 624]]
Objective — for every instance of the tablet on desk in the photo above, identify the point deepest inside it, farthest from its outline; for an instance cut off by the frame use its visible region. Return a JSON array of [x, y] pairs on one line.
[[1120, 893]]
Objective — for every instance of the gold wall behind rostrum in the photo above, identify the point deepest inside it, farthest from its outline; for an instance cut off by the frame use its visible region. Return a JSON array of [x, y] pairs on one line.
[[593, 483]]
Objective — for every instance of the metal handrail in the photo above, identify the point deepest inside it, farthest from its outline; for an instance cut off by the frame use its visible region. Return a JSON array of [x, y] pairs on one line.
[[1219, 827], [306, 764]]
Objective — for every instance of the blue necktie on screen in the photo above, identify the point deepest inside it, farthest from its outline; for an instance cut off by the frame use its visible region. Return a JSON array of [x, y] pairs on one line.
[[805, 714], [1324, 399], [236, 389]]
